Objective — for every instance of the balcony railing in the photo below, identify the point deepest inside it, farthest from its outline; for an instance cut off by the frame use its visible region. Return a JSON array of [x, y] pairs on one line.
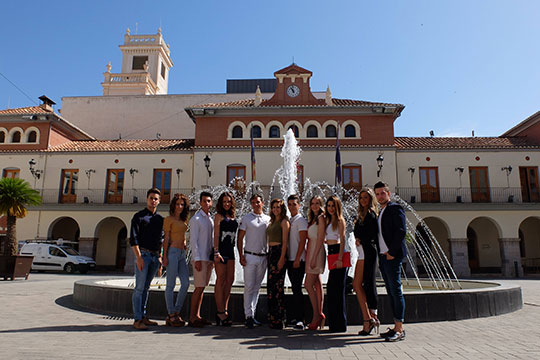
[[409, 194], [102, 196], [460, 195]]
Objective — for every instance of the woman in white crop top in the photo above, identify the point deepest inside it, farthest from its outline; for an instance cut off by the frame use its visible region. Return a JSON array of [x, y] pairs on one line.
[[335, 287]]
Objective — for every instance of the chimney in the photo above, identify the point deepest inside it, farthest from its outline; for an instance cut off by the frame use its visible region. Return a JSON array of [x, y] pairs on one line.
[[47, 103]]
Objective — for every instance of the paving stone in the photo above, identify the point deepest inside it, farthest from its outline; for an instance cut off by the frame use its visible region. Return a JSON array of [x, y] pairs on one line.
[[40, 322]]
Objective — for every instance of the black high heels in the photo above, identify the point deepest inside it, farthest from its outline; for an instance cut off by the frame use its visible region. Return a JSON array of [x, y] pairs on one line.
[[223, 322], [373, 324]]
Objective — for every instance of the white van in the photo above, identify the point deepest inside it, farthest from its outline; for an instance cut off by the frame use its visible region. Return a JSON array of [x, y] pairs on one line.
[[49, 256]]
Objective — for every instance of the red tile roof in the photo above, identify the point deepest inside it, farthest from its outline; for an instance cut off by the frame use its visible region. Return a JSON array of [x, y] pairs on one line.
[[249, 103], [33, 110], [293, 69], [123, 146], [421, 143]]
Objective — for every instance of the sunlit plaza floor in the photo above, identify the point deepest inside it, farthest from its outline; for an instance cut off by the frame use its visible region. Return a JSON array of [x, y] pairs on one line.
[[39, 321]]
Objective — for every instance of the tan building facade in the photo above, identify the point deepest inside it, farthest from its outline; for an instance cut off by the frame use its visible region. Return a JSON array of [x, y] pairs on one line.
[[479, 196]]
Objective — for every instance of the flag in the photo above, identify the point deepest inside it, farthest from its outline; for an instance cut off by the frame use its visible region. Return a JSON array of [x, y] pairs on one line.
[[253, 177], [338, 159]]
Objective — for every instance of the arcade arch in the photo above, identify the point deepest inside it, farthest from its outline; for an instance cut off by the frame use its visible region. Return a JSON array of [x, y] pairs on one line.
[[66, 228], [484, 249], [440, 231], [530, 243], [111, 235]]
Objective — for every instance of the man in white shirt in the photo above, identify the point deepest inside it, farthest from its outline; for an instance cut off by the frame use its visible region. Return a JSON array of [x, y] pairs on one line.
[[253, 253], [201, 230], [296, 260]]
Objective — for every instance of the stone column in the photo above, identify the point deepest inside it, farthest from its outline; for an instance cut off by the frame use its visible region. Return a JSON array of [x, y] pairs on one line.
[[86, 246], [459, 257], [510, 257], [130, 259], [408, 266]]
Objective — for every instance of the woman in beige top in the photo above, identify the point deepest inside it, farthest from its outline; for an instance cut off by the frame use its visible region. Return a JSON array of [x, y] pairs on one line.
[[315, 262], [174, 257]]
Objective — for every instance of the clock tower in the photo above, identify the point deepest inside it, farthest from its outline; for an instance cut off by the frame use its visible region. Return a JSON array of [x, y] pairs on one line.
[[293, 87]]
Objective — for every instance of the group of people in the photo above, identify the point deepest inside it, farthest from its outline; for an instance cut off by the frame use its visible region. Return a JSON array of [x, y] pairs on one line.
[[276, 245]]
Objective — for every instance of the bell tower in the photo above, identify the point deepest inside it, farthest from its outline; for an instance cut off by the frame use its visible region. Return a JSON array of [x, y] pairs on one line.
[[146, 62]]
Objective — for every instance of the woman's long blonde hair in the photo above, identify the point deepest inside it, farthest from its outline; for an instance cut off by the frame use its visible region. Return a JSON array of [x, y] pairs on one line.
[[338, 215], [372, 204]]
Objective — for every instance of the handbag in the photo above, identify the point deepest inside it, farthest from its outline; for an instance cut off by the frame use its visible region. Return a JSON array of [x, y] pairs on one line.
[[346, 260]]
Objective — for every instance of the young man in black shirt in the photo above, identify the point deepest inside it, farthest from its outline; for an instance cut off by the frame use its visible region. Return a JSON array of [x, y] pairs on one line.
[[146, 240]]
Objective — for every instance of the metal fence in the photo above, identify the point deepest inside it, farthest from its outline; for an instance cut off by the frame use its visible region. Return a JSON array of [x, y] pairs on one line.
[[102, 196], [409, 194], [460, 195]]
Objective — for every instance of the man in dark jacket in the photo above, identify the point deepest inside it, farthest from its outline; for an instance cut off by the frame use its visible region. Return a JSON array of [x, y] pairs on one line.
[[146, 240], [392, 250]]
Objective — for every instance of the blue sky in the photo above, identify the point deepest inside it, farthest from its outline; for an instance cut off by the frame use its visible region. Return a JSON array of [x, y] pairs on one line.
[[456, 65]]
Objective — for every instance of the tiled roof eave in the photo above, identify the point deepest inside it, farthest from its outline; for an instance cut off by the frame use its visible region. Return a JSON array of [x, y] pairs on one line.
[[279, 146], [113, 146], [463, 143], [411, 149], [249, 104]]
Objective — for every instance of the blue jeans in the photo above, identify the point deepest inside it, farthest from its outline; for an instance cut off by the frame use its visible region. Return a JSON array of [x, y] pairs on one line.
[[391, 273], [177, 268], [143, 279]]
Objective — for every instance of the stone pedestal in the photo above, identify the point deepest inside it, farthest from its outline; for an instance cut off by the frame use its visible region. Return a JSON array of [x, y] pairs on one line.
[[510, 257], [459, 257], [86, 246]]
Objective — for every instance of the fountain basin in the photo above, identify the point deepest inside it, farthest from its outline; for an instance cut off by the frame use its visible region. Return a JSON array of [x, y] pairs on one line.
[[475, 299]]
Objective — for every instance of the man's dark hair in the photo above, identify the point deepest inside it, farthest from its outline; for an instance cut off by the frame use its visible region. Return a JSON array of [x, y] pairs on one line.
[[254, 196], [153, 191], [293, 197], [381, 184], [203, 194]]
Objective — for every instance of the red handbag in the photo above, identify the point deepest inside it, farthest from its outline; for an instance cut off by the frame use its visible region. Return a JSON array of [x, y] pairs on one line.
[[346, 260]]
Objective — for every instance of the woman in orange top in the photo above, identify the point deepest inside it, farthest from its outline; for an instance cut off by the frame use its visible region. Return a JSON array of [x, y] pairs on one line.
[[174, 257]]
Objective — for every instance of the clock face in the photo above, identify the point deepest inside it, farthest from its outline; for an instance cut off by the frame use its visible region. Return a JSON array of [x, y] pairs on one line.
[[293, 91]]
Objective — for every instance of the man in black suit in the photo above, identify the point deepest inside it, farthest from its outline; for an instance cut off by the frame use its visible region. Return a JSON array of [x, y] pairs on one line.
[[392, 250]]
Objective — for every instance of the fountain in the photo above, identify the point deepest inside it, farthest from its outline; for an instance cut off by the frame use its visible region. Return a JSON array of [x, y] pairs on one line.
[[439, 296]]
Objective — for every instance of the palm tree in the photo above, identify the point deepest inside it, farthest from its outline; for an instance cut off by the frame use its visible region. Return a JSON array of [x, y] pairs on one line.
[[15, 196]]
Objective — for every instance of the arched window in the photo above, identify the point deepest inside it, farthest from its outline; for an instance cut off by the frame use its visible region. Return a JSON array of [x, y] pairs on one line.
[[237, 132], [350, 131], [331, 131], [2, 137], [257, 133], [32, 137], [312, 131], [274, 132], [295, 130], [16, 137]]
